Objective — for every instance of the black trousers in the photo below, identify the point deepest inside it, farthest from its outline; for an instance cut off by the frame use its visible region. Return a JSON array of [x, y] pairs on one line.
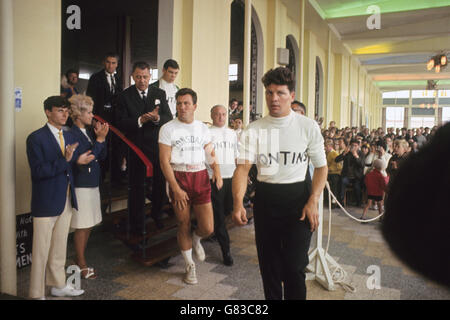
[[282, 240], [222, 203], [137, 192]]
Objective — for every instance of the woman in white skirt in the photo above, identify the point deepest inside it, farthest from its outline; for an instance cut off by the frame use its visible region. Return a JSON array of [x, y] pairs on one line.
[[87, 177]]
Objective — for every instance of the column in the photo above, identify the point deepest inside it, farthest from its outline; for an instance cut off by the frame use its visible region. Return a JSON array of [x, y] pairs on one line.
[[247, 60], [301, 49], [8, 273]]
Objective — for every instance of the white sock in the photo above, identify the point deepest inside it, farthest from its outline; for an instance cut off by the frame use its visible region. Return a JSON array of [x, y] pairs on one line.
[[195, 238], [187, 255]]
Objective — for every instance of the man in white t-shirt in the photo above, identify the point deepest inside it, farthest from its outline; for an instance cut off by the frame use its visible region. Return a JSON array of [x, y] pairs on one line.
[[167, 83], [286, 204], [185, 145], [225, 144]]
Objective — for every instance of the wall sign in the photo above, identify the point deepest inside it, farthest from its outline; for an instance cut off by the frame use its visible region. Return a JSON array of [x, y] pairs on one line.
[[18, 99], [24, 239]]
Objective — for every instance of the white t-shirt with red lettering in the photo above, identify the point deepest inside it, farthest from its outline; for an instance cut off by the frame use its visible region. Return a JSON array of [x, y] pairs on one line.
[[188, 141]]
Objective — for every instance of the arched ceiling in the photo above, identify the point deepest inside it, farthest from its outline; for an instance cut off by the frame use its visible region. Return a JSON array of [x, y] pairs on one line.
[[395, 55]]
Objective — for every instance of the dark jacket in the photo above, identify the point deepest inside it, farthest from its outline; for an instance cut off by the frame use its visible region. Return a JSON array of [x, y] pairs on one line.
[[88, 176], [130, 107], [100, 91], [50, 173], [352, 166]]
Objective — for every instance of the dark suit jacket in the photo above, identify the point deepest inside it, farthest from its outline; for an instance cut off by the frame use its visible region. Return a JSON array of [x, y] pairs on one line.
[[99, 90], [130, 107], [88, 176], [50, 173], [352, 166]]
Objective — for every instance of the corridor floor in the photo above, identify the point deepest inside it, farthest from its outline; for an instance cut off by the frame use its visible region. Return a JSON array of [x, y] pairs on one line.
[[356, 247]]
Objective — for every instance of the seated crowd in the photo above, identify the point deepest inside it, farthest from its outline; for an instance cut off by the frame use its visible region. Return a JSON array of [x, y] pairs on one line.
[[364, 160]]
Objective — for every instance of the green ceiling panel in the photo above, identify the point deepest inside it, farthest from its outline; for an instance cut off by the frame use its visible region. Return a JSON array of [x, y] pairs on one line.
[[347, 8]]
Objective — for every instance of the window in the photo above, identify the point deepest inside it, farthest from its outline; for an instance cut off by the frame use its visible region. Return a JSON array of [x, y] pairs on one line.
[[233, 72], [444, 93], [84, 76], [423, 93], [396, 94], [445, 115], [395, 117], [417, 122]]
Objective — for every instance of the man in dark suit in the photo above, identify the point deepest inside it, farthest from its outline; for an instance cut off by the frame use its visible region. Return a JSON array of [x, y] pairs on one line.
[[352, 170], [141, 111], [51, 153], [104, 87]]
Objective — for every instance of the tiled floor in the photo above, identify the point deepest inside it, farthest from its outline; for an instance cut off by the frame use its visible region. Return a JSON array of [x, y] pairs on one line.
[[358, 249]]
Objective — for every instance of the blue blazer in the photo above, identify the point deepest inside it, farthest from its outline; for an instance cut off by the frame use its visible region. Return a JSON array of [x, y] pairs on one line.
[[50, 173], [88, 176]]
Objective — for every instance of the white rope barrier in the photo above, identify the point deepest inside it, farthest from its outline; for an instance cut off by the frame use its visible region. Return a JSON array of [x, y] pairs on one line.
[[346, 212], [338, 274]]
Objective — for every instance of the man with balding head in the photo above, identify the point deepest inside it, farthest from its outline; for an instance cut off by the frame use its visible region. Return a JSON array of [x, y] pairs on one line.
[[226, 149]]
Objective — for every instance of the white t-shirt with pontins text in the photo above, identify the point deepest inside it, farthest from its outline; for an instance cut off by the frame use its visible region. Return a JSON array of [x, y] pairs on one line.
[[281, 147]]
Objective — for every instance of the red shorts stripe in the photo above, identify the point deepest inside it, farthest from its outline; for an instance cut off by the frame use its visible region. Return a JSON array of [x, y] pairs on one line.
[[195, 184]]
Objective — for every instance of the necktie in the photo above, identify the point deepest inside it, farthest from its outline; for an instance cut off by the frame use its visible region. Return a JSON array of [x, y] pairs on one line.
[[113, 84], [61, 143], [143, 96]]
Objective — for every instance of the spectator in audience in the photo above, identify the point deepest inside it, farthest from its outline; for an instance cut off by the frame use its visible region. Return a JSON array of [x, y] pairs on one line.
[[352, 170], [420, 139], [376, 186], [426, 133], [389, 146], [298, 107], [238, 126], [342, 145], [382, 155], [51, 153], [334, 168], [369, 157], [332, 125], [400, 154], [86, 177], [233, 107], [68, 84]]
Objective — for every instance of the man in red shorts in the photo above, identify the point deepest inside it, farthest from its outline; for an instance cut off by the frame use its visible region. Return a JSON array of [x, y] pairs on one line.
[[185, 145]]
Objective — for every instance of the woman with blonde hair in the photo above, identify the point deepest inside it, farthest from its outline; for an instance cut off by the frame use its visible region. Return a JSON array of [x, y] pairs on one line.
[[86, 177], [400, 153]]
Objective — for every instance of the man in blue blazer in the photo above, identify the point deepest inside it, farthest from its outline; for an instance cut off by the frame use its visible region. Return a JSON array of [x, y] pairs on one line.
[[51, 153]]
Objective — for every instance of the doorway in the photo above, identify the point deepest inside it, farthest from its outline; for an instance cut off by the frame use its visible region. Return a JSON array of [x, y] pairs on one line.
[[236, 75], [131, 31]]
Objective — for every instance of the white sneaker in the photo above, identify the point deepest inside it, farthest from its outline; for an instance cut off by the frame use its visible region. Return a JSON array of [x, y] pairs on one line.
[[67, 291], [198, 250], [191, 277]]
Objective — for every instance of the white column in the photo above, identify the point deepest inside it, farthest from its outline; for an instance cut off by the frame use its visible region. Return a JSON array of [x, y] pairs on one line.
[[301, 49], [165, 32], [8, 273], [328, 114], [247, 60]]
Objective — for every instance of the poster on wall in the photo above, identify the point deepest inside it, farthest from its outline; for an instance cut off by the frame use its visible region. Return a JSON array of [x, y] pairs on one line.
[[24, 240]]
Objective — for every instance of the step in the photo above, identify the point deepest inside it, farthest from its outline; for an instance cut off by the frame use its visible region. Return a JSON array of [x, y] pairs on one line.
[[170, 223], [158, 252]]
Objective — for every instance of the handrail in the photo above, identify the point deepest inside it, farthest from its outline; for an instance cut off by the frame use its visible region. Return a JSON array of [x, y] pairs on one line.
[[139, 153]]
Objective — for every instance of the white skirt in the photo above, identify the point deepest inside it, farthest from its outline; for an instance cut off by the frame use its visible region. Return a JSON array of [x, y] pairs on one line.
[[89, 211]]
